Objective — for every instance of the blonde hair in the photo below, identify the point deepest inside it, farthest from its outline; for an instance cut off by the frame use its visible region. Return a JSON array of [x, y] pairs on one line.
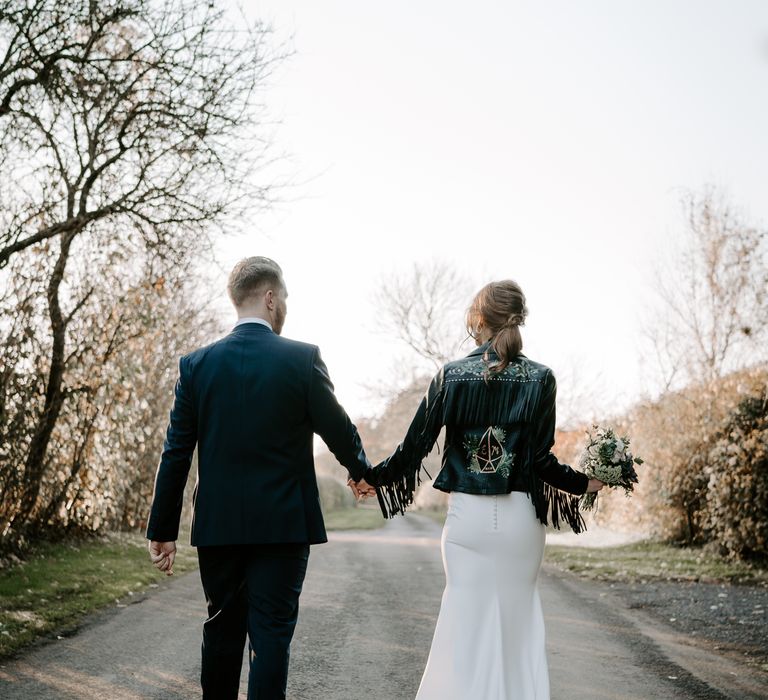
[[499, 307], [253, 275]]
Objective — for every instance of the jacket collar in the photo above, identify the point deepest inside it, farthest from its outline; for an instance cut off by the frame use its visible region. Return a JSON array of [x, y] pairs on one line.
[[480, 350], [250, 329]]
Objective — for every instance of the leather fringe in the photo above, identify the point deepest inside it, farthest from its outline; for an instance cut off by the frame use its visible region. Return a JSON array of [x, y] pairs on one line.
[[474, 403], [478, 403], [552, 504], [563, 506], [394, 498]]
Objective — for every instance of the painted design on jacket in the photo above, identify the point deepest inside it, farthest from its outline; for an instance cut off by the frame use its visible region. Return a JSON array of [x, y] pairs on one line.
[[473, 368], [487, 454]]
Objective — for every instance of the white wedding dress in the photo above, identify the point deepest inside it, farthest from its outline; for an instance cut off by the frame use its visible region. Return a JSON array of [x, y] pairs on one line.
[[489, 642]]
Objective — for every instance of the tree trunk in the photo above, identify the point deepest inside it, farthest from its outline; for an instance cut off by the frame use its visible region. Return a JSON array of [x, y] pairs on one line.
[[34, 466]]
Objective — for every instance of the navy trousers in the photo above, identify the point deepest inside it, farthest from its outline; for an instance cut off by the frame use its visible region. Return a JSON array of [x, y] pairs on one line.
[[251, 590]]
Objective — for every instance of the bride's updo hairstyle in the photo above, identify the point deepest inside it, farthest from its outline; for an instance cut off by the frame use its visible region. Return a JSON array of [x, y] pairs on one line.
[[499, 307]]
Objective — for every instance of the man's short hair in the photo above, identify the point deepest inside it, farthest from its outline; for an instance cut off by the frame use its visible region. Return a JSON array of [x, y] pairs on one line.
[[252, 276]]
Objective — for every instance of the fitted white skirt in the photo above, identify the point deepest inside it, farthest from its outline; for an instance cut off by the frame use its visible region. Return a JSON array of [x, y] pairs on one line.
[[489, 641]]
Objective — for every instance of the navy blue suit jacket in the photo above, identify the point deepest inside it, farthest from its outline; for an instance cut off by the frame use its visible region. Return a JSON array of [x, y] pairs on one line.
[[251, 403]]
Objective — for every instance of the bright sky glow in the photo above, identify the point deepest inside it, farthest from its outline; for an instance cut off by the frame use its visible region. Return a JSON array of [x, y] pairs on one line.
[[543, 141]]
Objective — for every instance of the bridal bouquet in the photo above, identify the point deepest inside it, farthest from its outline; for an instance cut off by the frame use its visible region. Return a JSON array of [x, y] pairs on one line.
[[607, 457]]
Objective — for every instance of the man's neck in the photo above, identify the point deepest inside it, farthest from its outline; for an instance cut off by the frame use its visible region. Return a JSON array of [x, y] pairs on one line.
[[241, 319]]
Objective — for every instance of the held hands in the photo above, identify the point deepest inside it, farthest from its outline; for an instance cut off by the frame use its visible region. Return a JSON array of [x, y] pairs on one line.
[[361, 489], [163, 555], [594, 485]]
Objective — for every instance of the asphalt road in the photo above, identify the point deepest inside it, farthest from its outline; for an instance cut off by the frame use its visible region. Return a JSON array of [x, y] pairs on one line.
[[367, 614]]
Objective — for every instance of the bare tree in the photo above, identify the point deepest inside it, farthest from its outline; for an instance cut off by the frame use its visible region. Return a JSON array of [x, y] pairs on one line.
[[424, 308], [118, 374], [129, 112], [120, 121], [707, 337], [713, 315]]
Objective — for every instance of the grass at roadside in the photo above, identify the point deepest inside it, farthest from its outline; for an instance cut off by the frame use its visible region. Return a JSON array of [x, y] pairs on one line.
[[51, 591], [360, 518], [653, 561]]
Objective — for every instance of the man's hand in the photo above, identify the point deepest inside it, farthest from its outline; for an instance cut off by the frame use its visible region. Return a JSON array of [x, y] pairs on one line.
[[361, 489], [594, 485], [162, 555]]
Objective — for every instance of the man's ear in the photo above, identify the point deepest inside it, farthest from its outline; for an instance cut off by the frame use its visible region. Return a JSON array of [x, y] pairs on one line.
[[269, 299]]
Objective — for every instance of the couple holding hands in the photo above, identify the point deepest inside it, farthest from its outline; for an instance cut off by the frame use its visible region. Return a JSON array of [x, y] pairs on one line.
[[252, 401]]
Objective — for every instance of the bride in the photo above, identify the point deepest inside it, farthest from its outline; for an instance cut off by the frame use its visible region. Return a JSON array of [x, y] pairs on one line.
[[498, 410]]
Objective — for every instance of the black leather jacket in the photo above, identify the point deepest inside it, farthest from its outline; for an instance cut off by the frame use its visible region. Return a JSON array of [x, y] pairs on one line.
[[499, 434]]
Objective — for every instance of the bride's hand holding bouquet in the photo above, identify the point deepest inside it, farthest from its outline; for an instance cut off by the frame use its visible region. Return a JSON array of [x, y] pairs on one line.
[[607, 458]]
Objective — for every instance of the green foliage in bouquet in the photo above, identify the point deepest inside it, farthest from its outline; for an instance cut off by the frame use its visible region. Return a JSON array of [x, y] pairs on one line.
[[607, 457]]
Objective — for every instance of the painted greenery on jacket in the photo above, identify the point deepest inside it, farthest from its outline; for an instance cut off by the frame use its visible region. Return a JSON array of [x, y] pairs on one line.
[[487, 454]]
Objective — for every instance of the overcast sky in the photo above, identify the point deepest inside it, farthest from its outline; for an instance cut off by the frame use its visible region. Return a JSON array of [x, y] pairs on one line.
[[548, 142]]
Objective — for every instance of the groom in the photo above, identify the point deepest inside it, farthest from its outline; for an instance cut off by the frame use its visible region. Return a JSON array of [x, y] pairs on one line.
[[250, 403]]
